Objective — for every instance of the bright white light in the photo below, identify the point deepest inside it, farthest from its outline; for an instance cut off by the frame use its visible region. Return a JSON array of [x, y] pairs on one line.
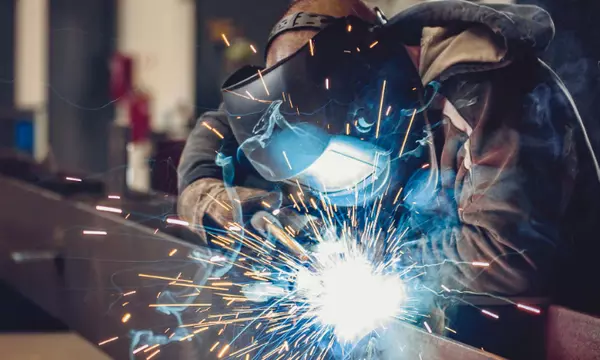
[[261, 291], [351, 296], [94, 232], [177, 222], [109, 209]]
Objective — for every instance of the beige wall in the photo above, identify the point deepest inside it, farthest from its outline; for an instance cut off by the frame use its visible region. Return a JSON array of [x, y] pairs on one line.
[[159, 34], [31, 66]]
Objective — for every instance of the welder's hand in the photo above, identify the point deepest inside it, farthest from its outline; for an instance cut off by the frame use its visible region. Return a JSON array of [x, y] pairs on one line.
[[207, 203]]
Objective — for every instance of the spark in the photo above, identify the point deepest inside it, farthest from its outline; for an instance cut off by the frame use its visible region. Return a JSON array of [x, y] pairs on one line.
[[380, 108], [223, 351], [407, 132], [349, 27], [205, 124], [480, 264], [397, 196], [129, 293], [490, 314], [74, 179], [265, 204], [445, 288], [427, 326], [178, 305], [172, 252], [452, 331], [214, 346], [250, 95], [152, 355], [162, 278], [327, 83], [109, 209], [107, 341], [312, 47], [529, 308], [373, 44], [253, 48], [218, 133], [126, 318], [225, 39], [263, 82], [151, 348], [287, 160], [186, 337], [94, 232], [114, 197], [177, 222], [140, 349], [388, 111]]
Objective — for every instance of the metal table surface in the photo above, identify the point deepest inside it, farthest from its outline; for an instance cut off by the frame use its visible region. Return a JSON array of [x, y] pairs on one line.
[[81, 279]]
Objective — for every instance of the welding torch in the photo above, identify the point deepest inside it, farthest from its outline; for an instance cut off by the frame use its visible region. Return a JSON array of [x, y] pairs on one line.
[[260, 221]]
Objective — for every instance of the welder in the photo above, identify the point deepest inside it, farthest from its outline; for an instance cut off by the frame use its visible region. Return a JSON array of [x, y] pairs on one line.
[[506, 123]]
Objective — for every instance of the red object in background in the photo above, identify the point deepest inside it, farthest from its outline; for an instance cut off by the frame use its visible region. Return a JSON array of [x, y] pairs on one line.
[[121, 76], [139, 114]]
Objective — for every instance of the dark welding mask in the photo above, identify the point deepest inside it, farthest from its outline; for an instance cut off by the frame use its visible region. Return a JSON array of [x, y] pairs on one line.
[[335, 116]]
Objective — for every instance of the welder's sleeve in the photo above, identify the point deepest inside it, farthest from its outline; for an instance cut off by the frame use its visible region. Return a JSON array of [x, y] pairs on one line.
[[200, 179], [505, 176], [198, 160]]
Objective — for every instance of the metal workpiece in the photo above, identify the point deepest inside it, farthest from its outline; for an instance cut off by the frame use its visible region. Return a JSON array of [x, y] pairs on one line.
[[77, 263]]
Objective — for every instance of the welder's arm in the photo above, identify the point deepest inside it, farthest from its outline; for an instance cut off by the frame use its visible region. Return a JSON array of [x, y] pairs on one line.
[[509, 192], [198, 160], [204, 200]]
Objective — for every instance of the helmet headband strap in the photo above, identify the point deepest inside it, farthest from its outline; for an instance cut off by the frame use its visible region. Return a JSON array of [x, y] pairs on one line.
[[299, 21]]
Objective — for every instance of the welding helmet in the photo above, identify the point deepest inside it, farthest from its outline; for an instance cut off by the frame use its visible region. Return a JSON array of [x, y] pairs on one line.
[[333, 117]]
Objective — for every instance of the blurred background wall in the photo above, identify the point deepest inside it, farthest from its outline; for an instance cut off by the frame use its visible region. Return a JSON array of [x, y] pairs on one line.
[[160, 36], [31, 67], [7, 41], [58, 54]]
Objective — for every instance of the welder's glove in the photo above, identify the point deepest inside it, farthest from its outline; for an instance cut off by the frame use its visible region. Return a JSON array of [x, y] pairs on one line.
[[206, 205]]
